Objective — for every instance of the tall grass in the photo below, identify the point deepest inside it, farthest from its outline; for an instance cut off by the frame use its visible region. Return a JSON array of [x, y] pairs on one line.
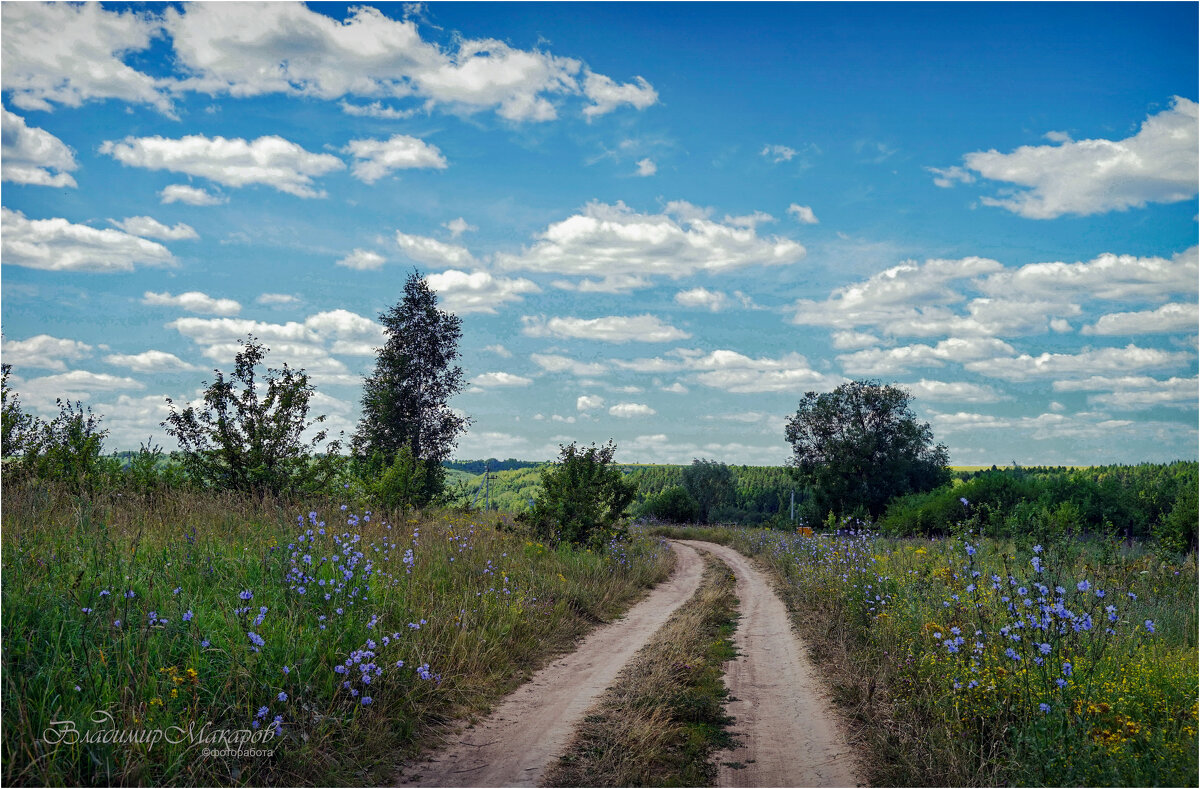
[[328, 638], [979, 662]]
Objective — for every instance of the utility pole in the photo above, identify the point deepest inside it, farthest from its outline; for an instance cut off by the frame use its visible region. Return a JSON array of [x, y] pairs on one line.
[[793, 515], [487, 486]]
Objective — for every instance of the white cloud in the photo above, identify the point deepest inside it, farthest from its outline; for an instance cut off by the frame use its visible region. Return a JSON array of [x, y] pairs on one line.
[[953, 391], [375, 109], [132, 421], [478, 291], [615, 328], [619, 283], [459, 226], [489, 380], [73, 385], [676, 388], [182, 193], [779, 153], [1108, 276], [1048, 426], [1159, 164], [377, 158], [362, 260], [947, 177], [66, 54], [630, 410], [499, 350], [44, 351], [276, 298], [646, 167], [1132, 392], [432, 252], [607, 95], [272, 160], [608, 240], [702, 297], [193, 301], [58, 245], [735, 372], [553, 363], [30, 154], [1174, 317], [150, 362], [589, 402], [850, 340], [152, 228], [803, 214], [1131, 358], [888, 361]]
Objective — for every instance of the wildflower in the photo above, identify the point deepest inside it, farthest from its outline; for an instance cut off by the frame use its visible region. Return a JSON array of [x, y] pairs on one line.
[[287, 670], [1044, 707], [177, 590], [366, 700], [205, 644], [86, 610], [1062, 683], [246, 594], [1012, 653], [1067, 670], [105, 593], [188, 615], [1150, 626], [1037, 549], [1083, 585], [130, 594], [965, 503], [282, 696], [256, 639], [1044, 649], [116, 623], [970, 550], [263, 712]]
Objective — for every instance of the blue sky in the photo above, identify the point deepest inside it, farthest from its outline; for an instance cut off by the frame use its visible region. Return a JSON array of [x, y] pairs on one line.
[[660, 223]]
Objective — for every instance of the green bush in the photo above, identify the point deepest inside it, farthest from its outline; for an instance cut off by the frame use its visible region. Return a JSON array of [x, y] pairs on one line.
[[405, 483], [584, 498], [673, 504]]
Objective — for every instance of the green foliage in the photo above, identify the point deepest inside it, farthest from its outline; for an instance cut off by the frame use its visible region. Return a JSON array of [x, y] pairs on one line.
[[673, 505], [710, 484], [859, 446], [249, 440], [491, 464], [405, 483], [1178, 529], [18, 427], [405, 401], [584, 498], [150, 471], [68, 449]]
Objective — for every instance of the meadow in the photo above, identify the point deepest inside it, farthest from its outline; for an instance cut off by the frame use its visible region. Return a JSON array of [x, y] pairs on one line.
[[330, 638], [968, 661]]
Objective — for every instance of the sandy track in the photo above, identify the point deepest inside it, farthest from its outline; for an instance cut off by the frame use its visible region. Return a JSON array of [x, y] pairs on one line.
[[532, 726], [787, 734]]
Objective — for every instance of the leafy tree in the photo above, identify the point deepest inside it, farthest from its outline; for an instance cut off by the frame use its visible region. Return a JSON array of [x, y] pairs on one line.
[[18, 427], [584, 498], [405, 483], [673, 504], [405, 402], [710, 484], [68, 448], [860, 445], [248, 440]]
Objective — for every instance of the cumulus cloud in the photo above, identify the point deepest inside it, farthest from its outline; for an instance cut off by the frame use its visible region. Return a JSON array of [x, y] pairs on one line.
[[499, 350], [553, 363], [152, 228], [630, 410], [150, 362], [888, 361], [459, 226], [1133, 392], [1043, 427], [738, 373], [62, 53], [611, 240], [850, 340], [615, 328], [193, 301], [363, 260], [803, 214], [1174, 317], [270, 160], [702, 297], [44, 351], [477, 291], [589, 402], [1159, 164], [33, 156], [377, 158], [646, 167], [276, 298], [953, 391], [59, 245], [375, 109], [489, 380], [1099, 361], [1108, 276], [619, 283], [432, 252], [606, 94], [73, 385], [182, 193]]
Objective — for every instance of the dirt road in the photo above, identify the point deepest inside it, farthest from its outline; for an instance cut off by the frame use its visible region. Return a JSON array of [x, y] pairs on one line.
[[513, 746], [787, 733]]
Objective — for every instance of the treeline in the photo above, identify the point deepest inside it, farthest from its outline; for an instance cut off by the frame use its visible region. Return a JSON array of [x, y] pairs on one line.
[[480, 466], [1146, 501]]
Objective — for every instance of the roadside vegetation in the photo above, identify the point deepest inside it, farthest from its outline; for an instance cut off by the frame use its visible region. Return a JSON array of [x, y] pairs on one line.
[[664, 718], [969, 661]]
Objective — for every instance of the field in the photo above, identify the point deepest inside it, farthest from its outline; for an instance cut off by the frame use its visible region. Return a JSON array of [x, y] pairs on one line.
[[331, 638], [976, 662]]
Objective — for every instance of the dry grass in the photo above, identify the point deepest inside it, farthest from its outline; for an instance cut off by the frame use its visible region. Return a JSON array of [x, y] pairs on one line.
[[664, 718]]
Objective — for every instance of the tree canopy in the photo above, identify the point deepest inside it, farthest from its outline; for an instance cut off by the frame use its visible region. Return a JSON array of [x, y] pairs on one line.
[[860, 445]]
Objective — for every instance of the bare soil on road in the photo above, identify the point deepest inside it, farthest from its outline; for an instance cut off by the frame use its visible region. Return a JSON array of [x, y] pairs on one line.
[[787, 732], [515, 744]]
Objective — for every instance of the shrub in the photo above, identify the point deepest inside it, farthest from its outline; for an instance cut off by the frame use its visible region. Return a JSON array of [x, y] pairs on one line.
[[673, 504], [584, 498]]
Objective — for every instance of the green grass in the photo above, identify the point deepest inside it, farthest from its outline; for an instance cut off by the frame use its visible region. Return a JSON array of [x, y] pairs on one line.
[[664, 717], [1124, 714], [474, 610]]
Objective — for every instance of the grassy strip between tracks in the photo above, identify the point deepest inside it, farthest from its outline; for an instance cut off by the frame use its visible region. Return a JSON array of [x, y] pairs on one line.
[[663, 720]]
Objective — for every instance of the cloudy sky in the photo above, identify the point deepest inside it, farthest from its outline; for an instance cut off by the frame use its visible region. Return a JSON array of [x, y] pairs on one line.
[[659, 223]]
